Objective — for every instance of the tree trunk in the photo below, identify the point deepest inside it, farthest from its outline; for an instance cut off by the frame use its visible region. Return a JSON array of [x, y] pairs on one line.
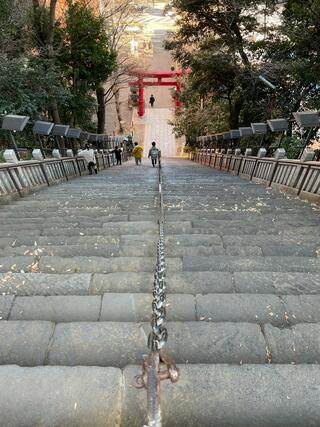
[[117, 101], [55, 112], [235, 110], [52, 22], [101, 113], [50, 40]]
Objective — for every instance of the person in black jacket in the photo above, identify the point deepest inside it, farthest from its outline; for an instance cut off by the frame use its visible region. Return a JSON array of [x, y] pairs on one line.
[[118, 153], [152, 100]]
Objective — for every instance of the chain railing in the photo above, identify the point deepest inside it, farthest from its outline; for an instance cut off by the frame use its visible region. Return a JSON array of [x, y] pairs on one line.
[[158, 365]]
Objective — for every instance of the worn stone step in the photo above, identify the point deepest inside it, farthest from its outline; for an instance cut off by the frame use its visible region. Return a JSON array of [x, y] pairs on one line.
[[282, 311], [26, 284], [275, 240], [238, 263], [110, 307], [115, 229], [67, 251], [182, 283], [177, 240], [143, 249], [266, 282], [54, 264], [291, 219], [50, 221], [204, 282], [92, 212], [237, 396], [33, 343], [59, 396], [31, 240], [81, 264]]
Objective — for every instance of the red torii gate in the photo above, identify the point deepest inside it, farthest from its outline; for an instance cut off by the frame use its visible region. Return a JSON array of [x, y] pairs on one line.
[[159, 75]]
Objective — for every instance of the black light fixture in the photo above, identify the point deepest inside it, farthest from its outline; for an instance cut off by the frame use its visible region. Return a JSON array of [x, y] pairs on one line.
[[41, 129], [13, 123], [60, 132], [307, 120]]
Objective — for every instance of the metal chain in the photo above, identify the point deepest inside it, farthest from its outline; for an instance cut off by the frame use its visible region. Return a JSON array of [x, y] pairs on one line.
[[152, 374], [159, 334]]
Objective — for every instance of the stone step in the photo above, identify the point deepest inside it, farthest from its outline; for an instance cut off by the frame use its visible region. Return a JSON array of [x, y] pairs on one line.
[[141, 250], [254, 230], [281, 311], [59, 396], [68, 251], [91, 212], [52, 221], [203, 282], [81, 264], [268, 244], [54, 264], [35, 241], [239, 263], [117, 344], [237, 396], [126, 228]]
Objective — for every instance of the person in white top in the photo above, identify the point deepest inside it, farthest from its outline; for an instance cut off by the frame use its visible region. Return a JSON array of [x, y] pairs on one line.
[[154, 153], [89, 157]]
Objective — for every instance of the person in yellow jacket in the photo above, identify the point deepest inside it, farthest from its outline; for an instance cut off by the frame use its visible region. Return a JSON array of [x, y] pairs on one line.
[[137, 153]]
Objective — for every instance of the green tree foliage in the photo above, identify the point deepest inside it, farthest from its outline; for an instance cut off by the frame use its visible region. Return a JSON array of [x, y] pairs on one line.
[[293, 56], [51, 67], [214, 39], [27, 87], [14, 31], [86, 59], [228, 44], [28, 83]]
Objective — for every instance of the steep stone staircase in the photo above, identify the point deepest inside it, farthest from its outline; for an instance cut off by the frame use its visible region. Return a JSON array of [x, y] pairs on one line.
[[158, 129], [243, 278]]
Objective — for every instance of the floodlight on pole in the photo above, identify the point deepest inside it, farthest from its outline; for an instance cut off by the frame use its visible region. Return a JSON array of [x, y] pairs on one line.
[[267, 82]]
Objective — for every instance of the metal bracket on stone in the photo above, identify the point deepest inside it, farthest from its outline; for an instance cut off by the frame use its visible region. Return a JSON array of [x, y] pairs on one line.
[[150, 379]]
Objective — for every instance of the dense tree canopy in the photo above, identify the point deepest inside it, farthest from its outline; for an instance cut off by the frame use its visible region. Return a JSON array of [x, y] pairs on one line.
[[49, 67], [228, 44]]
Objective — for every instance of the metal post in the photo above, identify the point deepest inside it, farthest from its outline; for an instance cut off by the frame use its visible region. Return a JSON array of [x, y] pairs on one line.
[[44, 173], [240, 164], [254, 169], [13, 179], [14, 145], [79, 169], [153, 390], [275, 167], [281, 139], [303, 181], [64, 170]]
